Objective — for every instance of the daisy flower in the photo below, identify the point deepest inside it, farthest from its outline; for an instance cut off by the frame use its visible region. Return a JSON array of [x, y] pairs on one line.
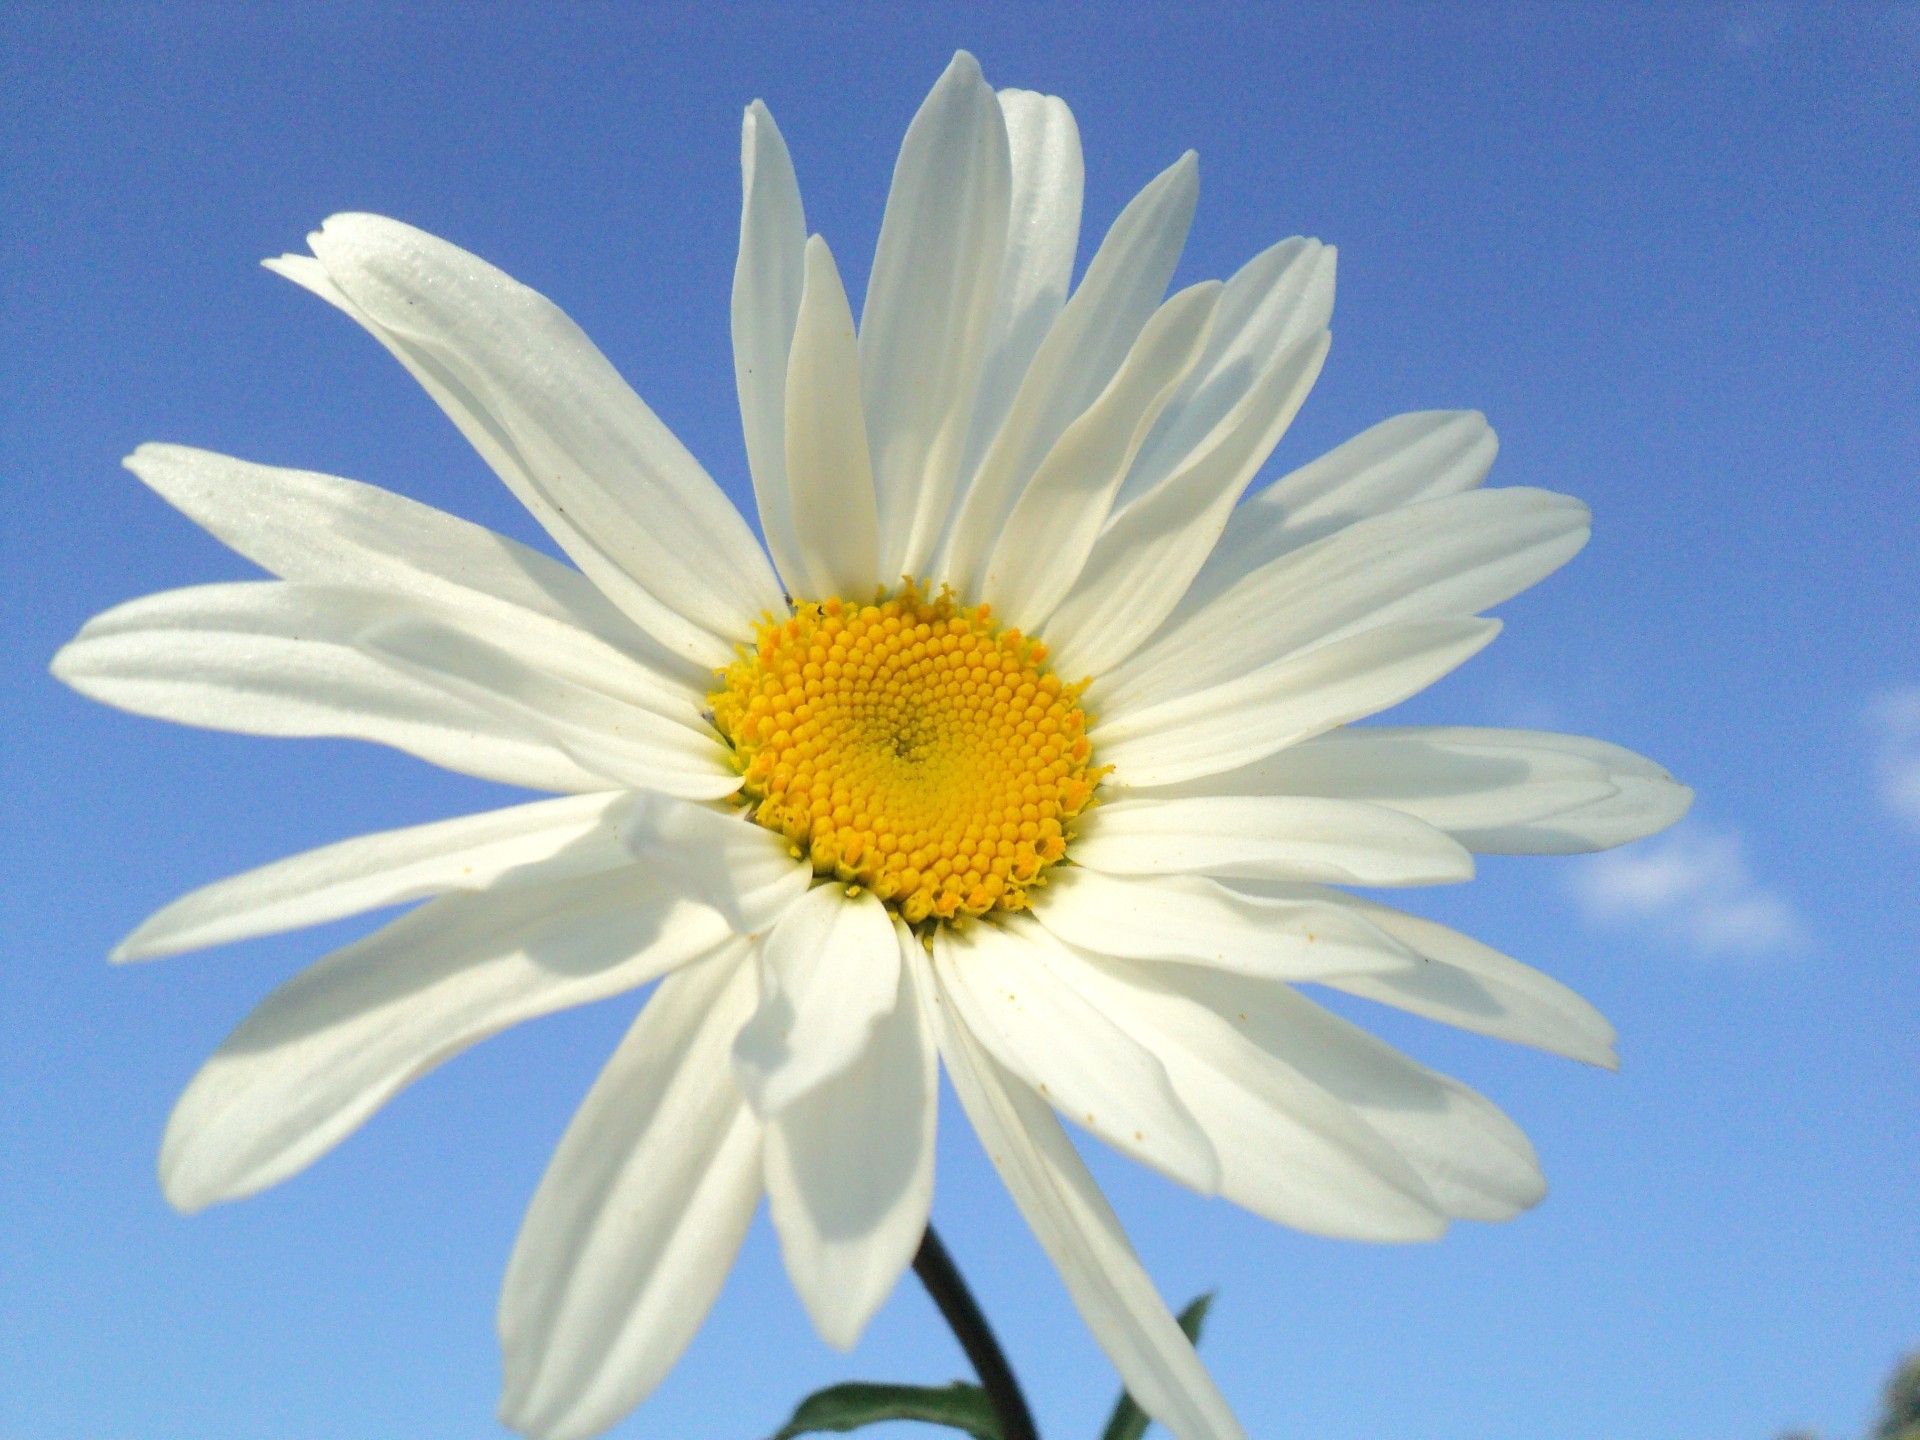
[[1022, 748]]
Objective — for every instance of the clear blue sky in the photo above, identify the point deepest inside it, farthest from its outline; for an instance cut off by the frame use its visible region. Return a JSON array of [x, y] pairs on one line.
[[1670, 251]]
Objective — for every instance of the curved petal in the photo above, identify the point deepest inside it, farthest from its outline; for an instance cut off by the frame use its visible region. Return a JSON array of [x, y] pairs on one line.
[[632, 747], [639, 1215], [1426, 455], [1289, 1150], [767, 280], [319, 1055], [1121, 289], [596, 467], [1273, 302], [1476, 1162], [834, 521], [1440, 560], [522, 844], [1271, 837], [1474, 987], [1080, 1233], [718, 857], [323, 530], [1054, 523], [1191, 918], [849, 1170], [274, 658], [829, 972], [929, 305], [1242, 720], [1043, 233], [1151, 550], [1002, 984]]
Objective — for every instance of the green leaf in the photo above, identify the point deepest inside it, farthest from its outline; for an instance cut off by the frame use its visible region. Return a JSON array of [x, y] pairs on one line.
[[958, 1406], [1129, 1421]]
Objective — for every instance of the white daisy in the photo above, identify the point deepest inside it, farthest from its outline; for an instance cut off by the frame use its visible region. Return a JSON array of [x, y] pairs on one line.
[[845, 806]]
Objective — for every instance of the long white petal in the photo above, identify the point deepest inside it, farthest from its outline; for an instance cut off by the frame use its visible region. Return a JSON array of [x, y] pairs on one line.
[[1191, 918], [324, 530], [1120, 291], [828, 471], [1001, 981], [639, 1215], [1474, 987], [331, 1046], [632, 747], [929, 305], [1239, 721], [537, 843], [596, 467], [767, 279], [1477, 1163], [1272, 303], [849, 1170], [1439, 560], [1043, 232], [1426, 455], [1269, 837], [1059, 515], [829, 972], [1289, 1150], [1152, 548], [272, 658], [1081, 1235], [718, 857]]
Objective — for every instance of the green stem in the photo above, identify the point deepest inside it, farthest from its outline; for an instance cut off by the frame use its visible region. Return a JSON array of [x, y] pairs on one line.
[[941, 1276]]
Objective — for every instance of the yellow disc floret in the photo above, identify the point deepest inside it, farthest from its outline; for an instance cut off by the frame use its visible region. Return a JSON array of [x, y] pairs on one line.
[[910, 747]]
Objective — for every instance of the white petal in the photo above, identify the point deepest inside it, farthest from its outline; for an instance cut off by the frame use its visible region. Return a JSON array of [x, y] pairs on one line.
[[1151, 550], [321, 529], [1188, 917], [1647, 799], [269, 658], [596, 467], [537, 843], [1273, 837], [829, 972], [929, 305], [834, 521], [1421, 456], [1273, 302], [767, 280], [1289, 1151], [717, 856], [1043, 232], [631, 747], [1082, 1236], [1120, 291], [1285, 703], [849, 1171], [1001, 981], [1439, 560], [639, 1215], [1474, 987], [1475, 1160], [331, 1046], [1059, 515]]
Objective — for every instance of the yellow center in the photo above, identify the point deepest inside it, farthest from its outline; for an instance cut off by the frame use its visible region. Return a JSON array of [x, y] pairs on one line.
[[910, 747]]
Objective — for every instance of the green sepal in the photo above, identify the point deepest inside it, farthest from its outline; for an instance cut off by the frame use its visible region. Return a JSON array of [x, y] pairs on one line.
[[1129, 1421], [958, 1406]]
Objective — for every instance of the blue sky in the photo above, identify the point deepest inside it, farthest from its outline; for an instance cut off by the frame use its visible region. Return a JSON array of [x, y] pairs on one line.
[[1668, 250]]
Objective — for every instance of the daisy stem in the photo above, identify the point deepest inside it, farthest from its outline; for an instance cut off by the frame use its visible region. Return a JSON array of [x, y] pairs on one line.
[[958, 1308]]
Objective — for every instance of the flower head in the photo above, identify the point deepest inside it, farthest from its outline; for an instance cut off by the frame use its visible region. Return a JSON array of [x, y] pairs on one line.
[[1023, 746]]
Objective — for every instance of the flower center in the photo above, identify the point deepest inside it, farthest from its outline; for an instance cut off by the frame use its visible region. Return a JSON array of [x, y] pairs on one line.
[[910, 747]]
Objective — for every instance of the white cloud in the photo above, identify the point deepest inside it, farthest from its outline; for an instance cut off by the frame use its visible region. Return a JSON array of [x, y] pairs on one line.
[[1693, 885], [1895, 721]]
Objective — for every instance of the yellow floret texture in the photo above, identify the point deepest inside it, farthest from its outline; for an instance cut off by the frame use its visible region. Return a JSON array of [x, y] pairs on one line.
[[910, 747]]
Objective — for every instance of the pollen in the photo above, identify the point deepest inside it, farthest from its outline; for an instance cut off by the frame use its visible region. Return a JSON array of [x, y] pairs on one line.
[[912, 748]]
